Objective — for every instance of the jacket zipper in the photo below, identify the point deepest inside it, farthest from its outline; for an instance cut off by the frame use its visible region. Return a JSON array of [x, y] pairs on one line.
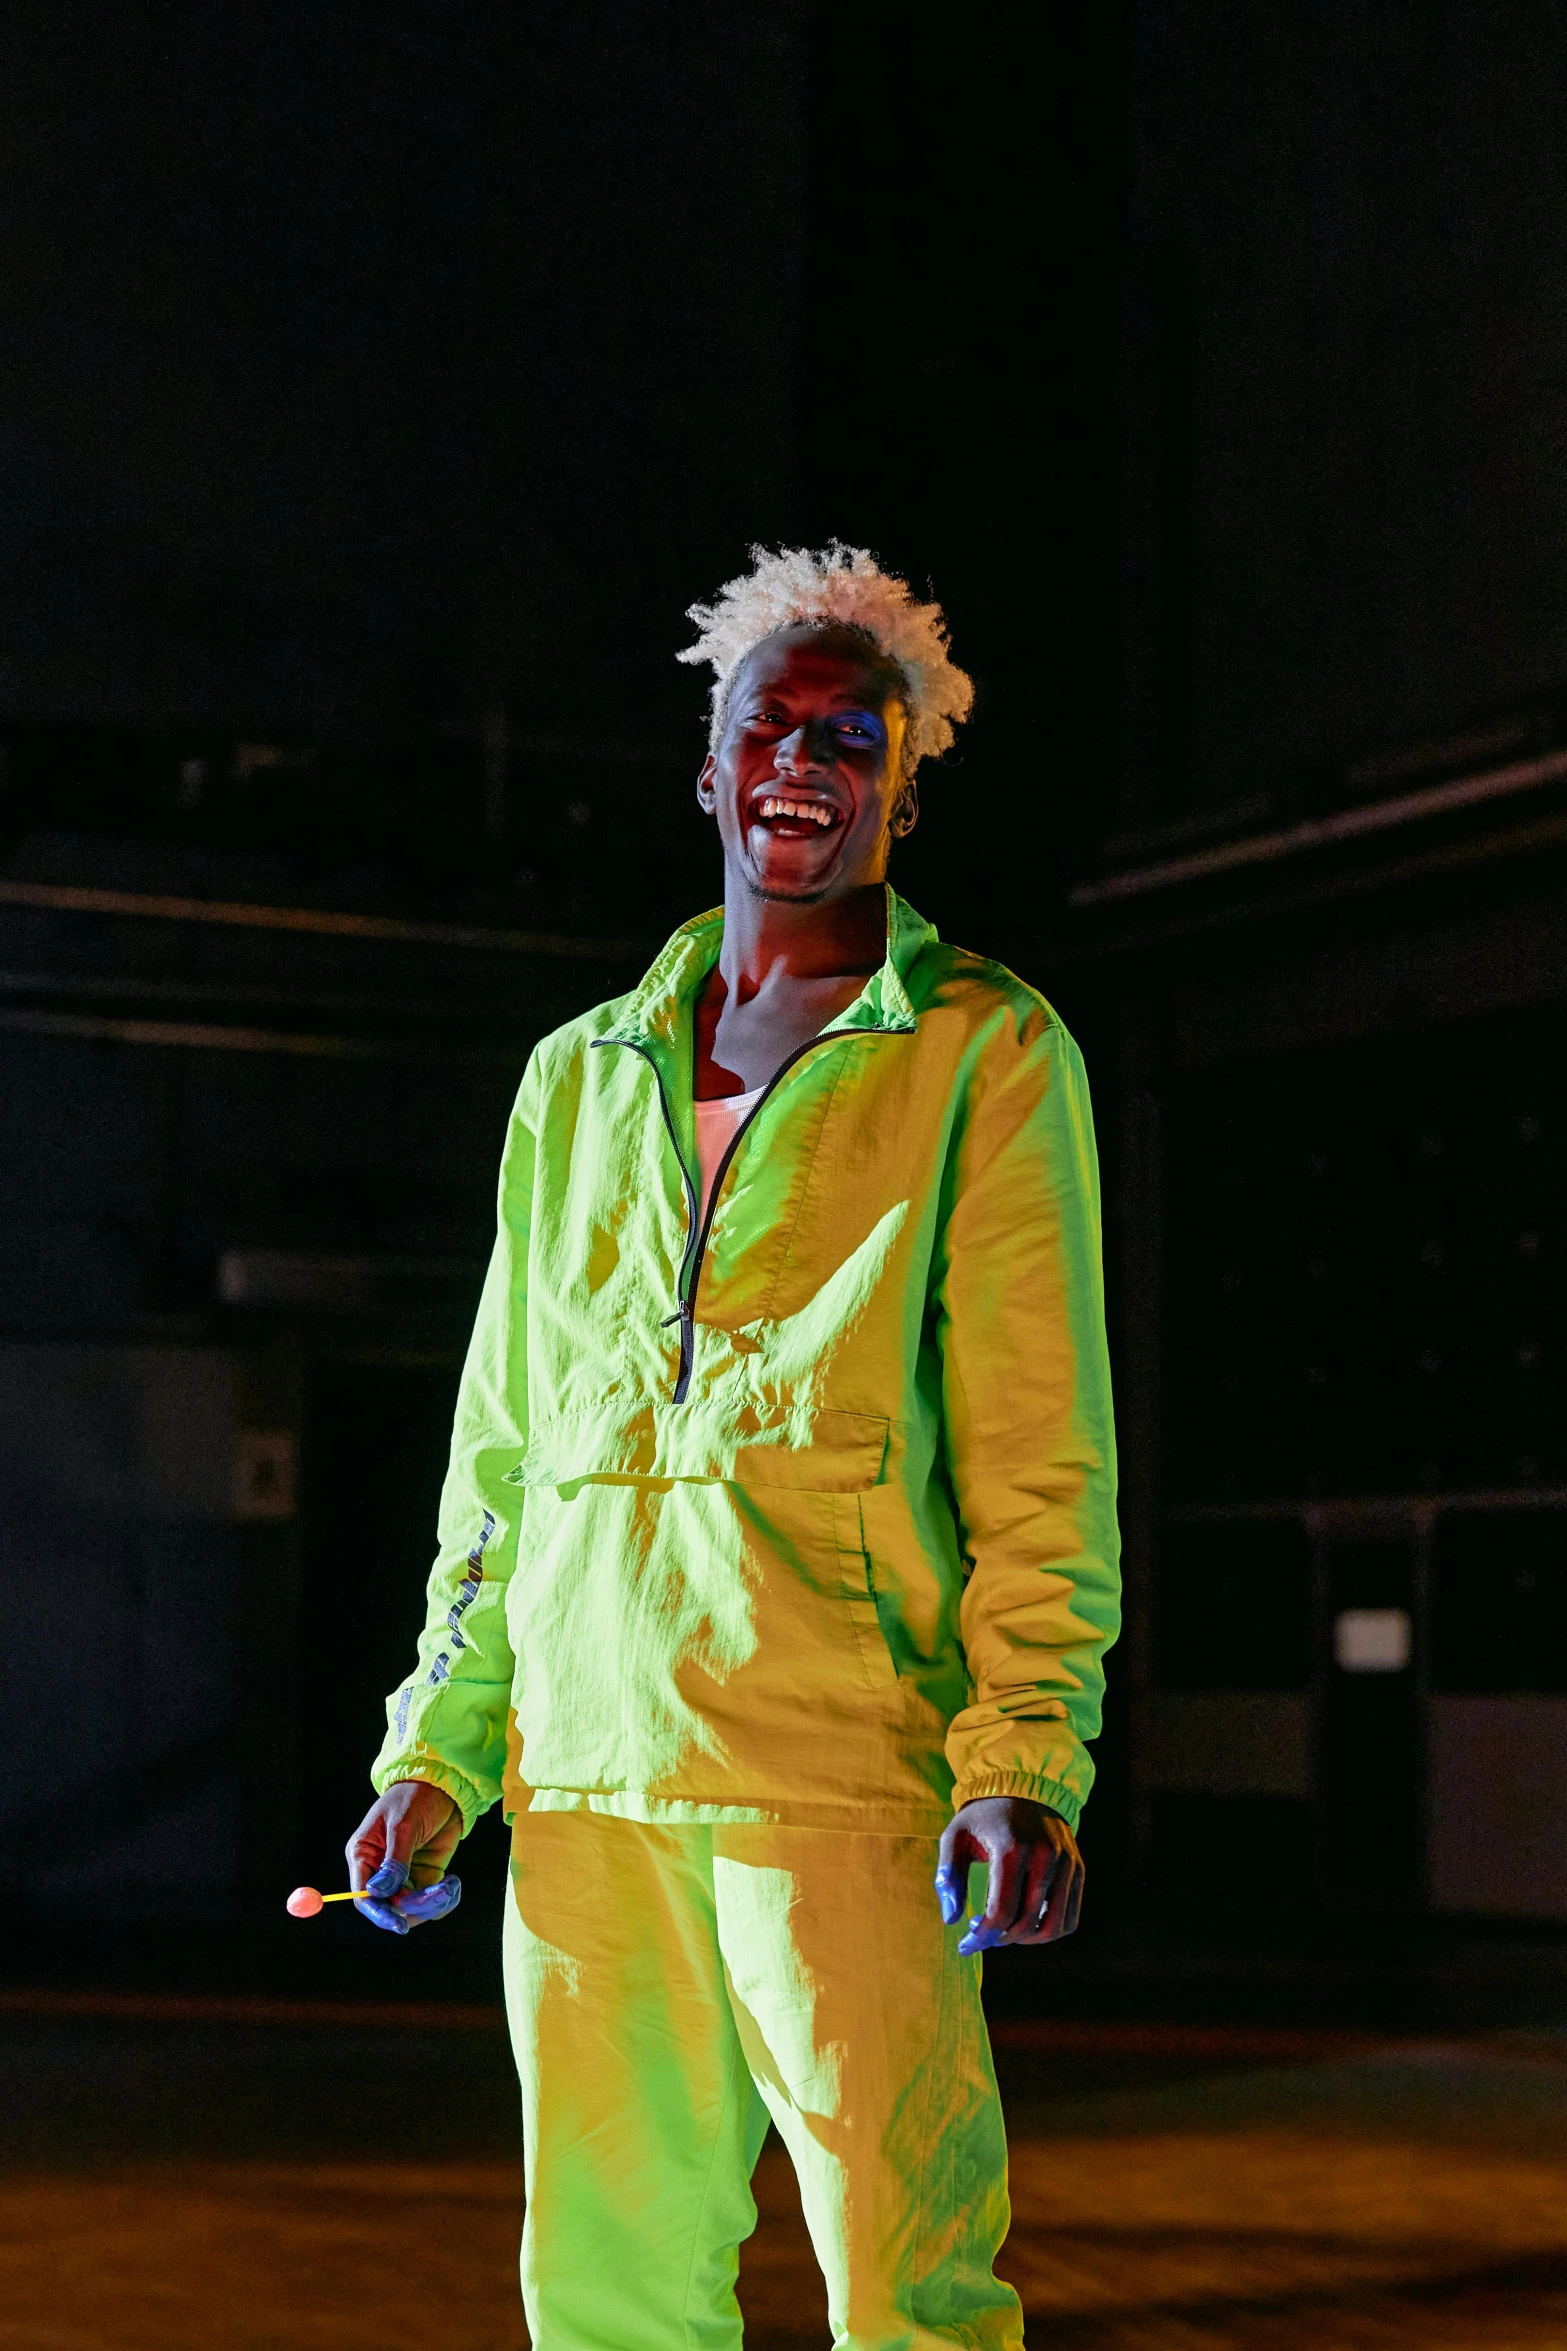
[[696, 1240]]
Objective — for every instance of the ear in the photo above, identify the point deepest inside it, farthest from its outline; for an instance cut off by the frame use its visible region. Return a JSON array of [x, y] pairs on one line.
[[706, 793], [905, 813]]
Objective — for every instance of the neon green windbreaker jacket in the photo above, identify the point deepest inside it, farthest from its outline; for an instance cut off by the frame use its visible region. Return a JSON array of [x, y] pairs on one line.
[[805, 1512]]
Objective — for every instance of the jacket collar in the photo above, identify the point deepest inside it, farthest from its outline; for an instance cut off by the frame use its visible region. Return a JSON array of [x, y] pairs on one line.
[[657, 1010]]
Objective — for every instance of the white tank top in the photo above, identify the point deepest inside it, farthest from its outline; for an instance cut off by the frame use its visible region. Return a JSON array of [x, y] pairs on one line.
[[716, 1126]]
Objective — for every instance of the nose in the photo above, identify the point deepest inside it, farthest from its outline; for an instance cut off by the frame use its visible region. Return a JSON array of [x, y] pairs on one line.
[[801, 752]]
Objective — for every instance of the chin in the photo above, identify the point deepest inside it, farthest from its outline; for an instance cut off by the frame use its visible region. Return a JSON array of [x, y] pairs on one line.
[[774, 894], [796, 868], [782, 872]]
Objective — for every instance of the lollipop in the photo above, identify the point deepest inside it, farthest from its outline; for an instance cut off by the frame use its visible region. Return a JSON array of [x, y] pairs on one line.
[[304, 1901]]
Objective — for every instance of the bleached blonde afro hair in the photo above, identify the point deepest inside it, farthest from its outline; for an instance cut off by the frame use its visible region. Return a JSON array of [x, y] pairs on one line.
[[837, 587]]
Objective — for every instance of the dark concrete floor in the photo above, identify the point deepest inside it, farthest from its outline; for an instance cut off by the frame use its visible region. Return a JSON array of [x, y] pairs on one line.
[[206, 2177]]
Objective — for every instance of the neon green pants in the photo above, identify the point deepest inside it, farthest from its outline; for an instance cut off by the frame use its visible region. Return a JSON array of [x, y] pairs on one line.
[[670, 1990]]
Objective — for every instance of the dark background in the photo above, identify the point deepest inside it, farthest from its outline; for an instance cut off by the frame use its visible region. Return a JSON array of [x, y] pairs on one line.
[[380, 387]]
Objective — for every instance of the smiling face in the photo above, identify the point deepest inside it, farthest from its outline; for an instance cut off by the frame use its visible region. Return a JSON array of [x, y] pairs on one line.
[[808, 782]]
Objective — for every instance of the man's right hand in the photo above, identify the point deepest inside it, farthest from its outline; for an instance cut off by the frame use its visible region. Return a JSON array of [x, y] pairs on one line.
[[406, 1839]]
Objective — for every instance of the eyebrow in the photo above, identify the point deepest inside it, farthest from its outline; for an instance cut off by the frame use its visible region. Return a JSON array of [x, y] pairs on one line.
[[844, 709]]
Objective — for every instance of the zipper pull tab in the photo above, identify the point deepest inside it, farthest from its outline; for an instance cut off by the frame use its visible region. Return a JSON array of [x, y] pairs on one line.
[[682, 1313]]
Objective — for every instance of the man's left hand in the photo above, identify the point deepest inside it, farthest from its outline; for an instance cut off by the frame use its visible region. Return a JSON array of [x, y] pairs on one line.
[[1036, 1872]]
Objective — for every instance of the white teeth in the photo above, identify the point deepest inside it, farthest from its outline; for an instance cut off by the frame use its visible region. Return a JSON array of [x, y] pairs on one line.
[[796, 808]]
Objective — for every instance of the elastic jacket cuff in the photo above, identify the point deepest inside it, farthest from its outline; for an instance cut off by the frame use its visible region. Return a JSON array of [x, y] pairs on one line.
[[462, 1791], [1050, 1793]]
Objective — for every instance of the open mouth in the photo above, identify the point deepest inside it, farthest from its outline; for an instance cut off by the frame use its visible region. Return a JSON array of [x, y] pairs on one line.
[[794, 817]]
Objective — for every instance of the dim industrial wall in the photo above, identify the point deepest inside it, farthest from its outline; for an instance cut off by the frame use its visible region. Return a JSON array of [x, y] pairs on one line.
[[1360, 1626], [1323, 960], [140, 1165], [247, 1182], [119, 1561], [353, 359], [1337, 1172], [1346, 385]]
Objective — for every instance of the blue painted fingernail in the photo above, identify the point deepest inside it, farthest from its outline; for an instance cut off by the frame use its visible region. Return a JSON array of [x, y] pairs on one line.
[[382, 1915], [431, 1902]]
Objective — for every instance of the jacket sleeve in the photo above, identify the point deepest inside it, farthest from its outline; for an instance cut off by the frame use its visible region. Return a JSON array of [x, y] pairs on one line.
[[447, 1723], [1030, 1437]]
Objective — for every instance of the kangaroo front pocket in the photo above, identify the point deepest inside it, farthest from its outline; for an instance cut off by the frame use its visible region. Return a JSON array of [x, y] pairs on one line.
[[698, 1640]]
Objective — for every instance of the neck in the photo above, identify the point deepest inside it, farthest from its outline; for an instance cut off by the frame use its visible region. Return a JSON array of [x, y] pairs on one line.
[[783, 938]]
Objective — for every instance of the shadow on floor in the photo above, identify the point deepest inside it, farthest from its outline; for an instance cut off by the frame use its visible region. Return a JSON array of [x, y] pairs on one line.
[[232, 2177]]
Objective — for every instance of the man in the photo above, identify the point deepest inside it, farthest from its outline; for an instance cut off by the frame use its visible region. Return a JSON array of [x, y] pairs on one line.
[[779, 1539]]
